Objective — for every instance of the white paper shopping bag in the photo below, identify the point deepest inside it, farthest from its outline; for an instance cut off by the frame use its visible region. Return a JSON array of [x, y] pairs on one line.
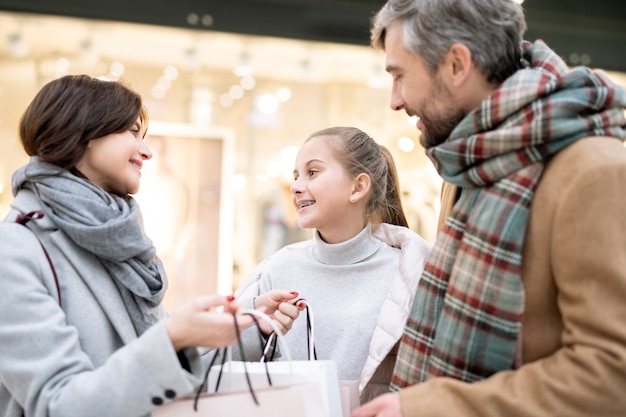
[[299, 400], [254, 399], [350, 399], [235, 375], [319, 372]]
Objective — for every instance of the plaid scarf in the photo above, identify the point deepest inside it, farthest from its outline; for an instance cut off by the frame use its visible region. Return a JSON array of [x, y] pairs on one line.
[[466, 318]]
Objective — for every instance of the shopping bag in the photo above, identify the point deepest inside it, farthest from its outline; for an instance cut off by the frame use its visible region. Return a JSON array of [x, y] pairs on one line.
[[233, 375], [285, 400], [350, 399], [321, 373], [348, 390], [298, 400]]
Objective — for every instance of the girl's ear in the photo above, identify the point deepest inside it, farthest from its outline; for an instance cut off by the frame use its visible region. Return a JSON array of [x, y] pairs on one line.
[[361, 187]]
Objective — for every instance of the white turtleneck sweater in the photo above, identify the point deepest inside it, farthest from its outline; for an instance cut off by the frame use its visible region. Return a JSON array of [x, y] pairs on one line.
[[345, 284]]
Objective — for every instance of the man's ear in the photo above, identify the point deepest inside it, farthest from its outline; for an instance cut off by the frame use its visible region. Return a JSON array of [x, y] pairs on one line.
[[458, 61], [362, 184]]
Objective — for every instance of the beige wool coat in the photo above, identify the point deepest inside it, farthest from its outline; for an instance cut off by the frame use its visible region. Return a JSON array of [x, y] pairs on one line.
[[573, 344]]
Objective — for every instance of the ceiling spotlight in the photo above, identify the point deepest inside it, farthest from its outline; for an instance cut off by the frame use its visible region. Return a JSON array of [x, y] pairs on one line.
[[247, 82], [116, 70], [283, 94], [170, 72], [267, 103], [406, 144]]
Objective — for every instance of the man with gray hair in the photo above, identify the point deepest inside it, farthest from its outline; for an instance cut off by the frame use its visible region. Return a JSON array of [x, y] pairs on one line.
[[520, 310]]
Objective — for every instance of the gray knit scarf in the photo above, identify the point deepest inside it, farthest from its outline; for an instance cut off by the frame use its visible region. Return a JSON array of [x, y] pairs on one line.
[[106, 225]]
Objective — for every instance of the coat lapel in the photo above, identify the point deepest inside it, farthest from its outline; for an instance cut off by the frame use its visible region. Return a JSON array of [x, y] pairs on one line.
[[101, 285]]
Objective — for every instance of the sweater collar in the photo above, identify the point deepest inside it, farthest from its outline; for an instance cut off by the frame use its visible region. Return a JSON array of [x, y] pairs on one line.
[[352, 251]]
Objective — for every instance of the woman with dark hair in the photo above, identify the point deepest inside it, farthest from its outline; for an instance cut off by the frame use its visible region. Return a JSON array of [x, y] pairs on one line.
[[83, 330]]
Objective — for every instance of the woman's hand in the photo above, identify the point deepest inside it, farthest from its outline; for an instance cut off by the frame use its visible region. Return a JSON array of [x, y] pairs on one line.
[[199, 324], [279, 305]]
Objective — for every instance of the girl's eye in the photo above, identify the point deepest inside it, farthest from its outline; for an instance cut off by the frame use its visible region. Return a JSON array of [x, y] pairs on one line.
[[312, 172]]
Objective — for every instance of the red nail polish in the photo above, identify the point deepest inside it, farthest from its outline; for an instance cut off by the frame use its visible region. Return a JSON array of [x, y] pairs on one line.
[[294, 293], [230, 298], [300, 304]]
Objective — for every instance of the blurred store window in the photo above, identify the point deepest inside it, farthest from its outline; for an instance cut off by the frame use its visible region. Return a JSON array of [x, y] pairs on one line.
[[269, 93]]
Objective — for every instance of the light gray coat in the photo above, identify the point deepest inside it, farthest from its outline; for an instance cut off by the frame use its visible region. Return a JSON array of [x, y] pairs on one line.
[[85, 358]]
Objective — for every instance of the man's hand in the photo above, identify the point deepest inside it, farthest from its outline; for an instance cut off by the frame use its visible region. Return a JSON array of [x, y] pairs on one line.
[[386, 405]]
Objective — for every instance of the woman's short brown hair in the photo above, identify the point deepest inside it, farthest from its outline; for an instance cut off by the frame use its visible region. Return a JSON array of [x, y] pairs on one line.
[[70, 111]]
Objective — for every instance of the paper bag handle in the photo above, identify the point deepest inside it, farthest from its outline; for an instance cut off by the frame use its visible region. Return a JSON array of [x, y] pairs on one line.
[[310, 335], [254, 314], [275, 330], [224, 351]]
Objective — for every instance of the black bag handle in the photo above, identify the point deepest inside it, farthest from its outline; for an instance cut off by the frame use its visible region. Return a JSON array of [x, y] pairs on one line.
[[219, 377], [309, 330], [262, 344], [271, 343]]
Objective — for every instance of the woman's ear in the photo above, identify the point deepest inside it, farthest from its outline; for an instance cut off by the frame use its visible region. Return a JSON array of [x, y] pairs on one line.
[[362, 184]]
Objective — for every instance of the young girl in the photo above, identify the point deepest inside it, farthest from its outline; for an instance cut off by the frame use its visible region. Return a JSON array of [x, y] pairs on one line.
[[360, 272], [82, 328]]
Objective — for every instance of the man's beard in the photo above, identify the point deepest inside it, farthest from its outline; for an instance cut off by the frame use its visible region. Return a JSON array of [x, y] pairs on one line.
[[440, 123], [437, 131]]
